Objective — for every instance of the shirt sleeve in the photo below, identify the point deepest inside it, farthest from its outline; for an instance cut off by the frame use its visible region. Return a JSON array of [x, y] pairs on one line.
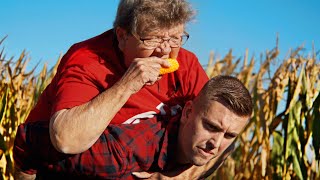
[[77, 82]]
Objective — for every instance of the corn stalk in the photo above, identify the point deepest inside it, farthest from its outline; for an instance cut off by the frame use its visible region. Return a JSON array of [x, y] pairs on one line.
[[19, 92]]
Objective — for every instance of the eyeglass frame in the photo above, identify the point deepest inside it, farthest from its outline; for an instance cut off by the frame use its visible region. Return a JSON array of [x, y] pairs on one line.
[[162, 40]]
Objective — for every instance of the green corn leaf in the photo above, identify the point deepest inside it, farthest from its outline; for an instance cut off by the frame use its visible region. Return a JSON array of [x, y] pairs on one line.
[[276, 154], [296, 114], [296, 165], [289, 138]]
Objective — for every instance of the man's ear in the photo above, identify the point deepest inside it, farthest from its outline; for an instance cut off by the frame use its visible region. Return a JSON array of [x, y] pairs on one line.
[[186, 112], [122, 37]]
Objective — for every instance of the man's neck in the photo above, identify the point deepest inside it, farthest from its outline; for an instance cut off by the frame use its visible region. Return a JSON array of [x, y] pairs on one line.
[[178, 164], [180, 156]]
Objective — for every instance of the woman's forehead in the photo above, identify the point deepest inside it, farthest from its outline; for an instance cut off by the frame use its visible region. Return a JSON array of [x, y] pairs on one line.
[[164, 31]]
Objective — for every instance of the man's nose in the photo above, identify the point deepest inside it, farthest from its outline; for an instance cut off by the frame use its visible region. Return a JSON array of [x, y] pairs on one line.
[[215, 142]]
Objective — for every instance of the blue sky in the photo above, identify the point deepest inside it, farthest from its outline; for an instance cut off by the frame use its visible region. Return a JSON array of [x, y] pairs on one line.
[[46, 29]]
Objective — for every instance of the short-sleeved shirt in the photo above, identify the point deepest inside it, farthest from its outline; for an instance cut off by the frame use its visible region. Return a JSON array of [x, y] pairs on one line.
[[92, 66]]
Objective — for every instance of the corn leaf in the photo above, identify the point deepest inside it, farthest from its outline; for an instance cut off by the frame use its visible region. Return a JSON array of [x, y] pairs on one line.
[[296, 166], [276, 154], [297, 91], [3, 103], [3, 146]]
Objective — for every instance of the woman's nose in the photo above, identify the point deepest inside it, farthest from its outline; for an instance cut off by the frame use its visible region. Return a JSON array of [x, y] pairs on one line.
[[164, 48]]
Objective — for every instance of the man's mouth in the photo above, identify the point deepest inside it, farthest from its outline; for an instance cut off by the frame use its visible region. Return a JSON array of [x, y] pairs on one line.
[[206, 153]]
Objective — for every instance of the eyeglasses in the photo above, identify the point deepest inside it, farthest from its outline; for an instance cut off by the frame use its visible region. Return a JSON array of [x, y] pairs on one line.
[[174, 42]]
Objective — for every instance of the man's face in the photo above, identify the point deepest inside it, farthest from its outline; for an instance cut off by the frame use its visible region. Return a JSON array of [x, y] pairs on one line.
[[205, 132], [132, 47]]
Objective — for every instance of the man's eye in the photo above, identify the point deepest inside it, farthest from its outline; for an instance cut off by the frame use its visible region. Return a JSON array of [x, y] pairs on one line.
[[211, 127], [229, 136]]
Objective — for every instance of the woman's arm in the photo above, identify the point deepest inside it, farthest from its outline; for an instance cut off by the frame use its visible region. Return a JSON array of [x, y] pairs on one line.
[[75, 130]]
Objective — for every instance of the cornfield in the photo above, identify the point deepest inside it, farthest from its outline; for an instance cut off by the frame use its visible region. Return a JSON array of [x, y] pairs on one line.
[[19, 93], [283, 137], [281, 141]]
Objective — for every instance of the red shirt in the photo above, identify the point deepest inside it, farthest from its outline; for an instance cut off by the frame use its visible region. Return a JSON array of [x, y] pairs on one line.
[[92, 66]]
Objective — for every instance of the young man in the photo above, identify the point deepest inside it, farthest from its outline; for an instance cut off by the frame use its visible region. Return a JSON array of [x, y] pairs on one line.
[[206, 127]]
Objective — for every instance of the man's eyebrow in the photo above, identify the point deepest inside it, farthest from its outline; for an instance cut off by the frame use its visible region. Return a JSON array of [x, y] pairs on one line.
[[219, 128]]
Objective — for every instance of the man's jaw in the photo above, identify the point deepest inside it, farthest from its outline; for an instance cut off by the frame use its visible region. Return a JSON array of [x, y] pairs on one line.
[[201, 156], [197, 152]]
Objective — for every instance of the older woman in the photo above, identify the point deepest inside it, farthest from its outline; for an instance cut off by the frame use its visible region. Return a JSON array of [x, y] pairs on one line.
[[114, 77]]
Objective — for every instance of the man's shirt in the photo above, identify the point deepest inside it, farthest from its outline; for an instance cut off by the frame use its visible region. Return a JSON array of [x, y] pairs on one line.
[[120, 150]]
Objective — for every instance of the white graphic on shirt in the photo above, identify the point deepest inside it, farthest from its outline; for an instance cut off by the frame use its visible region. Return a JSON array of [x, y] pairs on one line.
[[136, 119], [150, 114], [160, 107]]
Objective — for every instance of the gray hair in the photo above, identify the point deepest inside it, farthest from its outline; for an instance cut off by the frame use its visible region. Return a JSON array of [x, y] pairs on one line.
[[230, 92], [146, 15]]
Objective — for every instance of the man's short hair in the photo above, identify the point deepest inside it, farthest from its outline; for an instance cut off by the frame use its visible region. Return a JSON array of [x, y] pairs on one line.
[[229, 91], [146, 15]]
